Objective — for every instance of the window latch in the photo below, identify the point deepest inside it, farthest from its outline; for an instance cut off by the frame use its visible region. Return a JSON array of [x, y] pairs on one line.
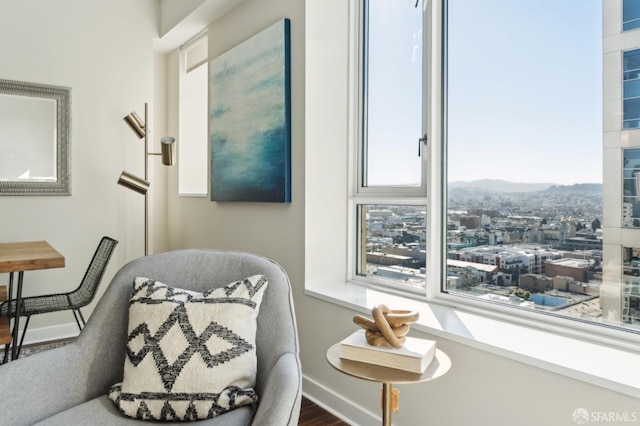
[[423, 140]]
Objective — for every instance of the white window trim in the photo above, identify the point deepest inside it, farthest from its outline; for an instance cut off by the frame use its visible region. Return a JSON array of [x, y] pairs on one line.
[[356, 65], [599, 359]]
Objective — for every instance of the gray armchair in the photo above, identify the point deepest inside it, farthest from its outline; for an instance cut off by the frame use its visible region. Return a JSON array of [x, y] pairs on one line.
[[69, 385]]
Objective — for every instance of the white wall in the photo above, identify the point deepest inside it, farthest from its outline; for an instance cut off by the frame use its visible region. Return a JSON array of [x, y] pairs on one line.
[[102, 50], [172, 12], [272, 229]]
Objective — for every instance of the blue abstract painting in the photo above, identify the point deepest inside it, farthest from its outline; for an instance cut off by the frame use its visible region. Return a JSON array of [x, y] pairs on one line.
[[250, 119]]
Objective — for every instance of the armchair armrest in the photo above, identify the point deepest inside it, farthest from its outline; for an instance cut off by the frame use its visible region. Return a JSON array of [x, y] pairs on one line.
[[280, 403], [41, 385]]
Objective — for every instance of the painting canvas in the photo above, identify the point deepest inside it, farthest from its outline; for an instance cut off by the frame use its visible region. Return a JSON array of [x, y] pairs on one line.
[[250, 119]]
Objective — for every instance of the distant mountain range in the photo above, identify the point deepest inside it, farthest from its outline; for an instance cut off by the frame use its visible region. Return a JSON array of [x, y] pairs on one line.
[[498, 185]]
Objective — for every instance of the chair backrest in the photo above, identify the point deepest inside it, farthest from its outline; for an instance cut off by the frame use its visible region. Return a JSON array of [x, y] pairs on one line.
[[105, 335], [86, 291]]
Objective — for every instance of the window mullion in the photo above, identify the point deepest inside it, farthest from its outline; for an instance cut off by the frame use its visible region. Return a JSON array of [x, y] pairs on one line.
[[433, 60]]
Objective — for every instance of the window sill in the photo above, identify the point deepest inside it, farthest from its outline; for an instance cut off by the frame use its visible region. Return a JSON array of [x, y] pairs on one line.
[[594, 363]]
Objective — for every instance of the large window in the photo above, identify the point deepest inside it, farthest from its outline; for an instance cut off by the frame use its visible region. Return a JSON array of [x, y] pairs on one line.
[[391, 181], [524, 142], [516, 172]]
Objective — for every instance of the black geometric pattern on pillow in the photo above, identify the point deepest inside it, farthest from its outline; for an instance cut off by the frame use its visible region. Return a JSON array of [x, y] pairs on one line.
[[201, 406], [189, 355], [197, 344]]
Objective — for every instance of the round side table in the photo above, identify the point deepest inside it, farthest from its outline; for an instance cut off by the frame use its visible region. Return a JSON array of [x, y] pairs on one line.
[[387, 376]]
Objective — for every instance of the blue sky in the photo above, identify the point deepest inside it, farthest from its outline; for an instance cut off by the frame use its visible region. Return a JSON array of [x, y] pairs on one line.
[[524, 92], [395, 64]]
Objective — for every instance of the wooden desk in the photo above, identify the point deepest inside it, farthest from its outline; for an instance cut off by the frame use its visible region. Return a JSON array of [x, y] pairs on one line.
[[387, 376], [20, 257]]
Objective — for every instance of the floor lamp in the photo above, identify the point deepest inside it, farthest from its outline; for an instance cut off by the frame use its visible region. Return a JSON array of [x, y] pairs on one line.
[[139, 184]]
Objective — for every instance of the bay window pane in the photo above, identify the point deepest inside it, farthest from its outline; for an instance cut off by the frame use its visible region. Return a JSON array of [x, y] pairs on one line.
[[524, 112], [393, 243], [393, 93]]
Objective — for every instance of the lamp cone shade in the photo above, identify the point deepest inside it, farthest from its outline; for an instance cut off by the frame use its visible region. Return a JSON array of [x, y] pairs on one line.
[[136, 124], [133, 182], [168, 153]]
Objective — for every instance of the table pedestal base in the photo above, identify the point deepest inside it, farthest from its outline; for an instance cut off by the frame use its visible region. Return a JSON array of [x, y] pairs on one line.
[[390, 402]]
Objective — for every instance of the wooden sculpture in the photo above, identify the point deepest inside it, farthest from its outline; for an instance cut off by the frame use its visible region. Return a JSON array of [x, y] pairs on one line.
[[388, 327]]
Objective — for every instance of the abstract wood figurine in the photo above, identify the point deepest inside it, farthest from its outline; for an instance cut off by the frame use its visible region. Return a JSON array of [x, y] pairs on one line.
[[388, 327]]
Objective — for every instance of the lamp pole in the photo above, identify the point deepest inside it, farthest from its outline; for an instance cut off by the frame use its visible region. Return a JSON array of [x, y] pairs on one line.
[[146, 177], [136, 183]]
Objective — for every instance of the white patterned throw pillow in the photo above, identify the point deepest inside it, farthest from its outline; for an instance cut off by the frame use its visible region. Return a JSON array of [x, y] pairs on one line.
[[189, 355]]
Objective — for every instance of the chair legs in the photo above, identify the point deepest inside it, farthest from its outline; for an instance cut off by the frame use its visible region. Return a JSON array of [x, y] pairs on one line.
[[24, 332], [77, 314]]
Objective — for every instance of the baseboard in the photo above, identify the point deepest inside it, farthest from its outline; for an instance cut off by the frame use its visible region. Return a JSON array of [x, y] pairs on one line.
[[48, 334], [337, 405]]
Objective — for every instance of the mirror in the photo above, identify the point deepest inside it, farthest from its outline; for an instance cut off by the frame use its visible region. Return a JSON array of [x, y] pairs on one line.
[[34, 139]]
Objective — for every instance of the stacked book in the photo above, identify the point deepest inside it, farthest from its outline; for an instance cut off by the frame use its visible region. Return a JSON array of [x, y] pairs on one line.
[[414, 356]]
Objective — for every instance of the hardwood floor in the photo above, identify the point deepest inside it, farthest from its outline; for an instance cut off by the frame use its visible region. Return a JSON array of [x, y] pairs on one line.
[[312, 415]]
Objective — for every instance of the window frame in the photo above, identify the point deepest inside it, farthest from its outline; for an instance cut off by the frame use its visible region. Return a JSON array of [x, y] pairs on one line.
[[359, 193], [360, 115], [434, 190]]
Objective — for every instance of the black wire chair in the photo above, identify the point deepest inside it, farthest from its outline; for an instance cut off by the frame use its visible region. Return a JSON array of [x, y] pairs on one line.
[[74, 300]]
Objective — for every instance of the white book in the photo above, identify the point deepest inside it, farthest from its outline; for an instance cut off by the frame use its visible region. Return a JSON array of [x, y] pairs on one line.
[[415, 355]]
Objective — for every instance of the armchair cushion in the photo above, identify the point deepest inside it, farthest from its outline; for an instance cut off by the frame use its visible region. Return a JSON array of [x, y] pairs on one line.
[[189, 355]]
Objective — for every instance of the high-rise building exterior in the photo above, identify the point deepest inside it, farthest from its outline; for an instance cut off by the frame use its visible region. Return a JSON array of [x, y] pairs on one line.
[[621, 132]]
